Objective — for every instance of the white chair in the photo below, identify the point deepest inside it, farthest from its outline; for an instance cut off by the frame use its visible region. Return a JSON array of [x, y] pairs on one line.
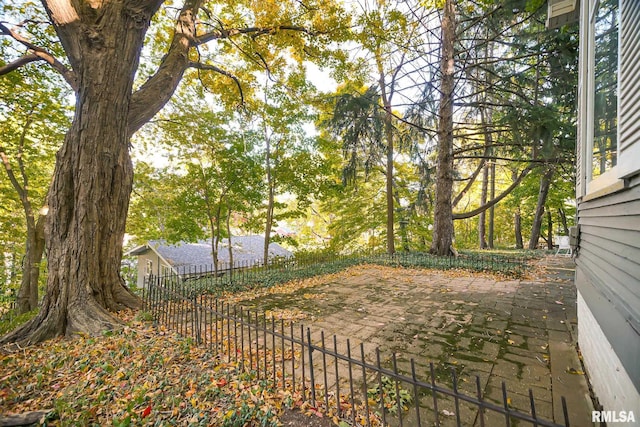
[[563, 245]]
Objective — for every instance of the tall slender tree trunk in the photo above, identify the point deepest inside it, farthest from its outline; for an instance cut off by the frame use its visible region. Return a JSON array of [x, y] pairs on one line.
[[388, 132], [545, 183], [27, 298], [391, 249], [482, 220], [231, 266], [270, 204], [28, 293], [492, 209], [517, 223], [402, 222], [92, 181], [215, 238], [549, 229], [563, 221], [442, 240]]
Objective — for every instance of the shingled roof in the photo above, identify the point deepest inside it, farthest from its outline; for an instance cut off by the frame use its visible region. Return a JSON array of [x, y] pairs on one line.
[[247, 250]]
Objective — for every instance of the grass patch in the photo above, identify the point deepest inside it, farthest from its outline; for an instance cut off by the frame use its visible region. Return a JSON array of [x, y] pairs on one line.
[[502, 262]]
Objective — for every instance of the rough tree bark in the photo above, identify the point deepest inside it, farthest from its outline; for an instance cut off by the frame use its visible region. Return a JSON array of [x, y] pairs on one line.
[[89, 195], [442, 239]]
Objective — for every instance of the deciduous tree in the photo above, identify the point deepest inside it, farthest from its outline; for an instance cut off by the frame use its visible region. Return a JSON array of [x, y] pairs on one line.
[[89, 196]]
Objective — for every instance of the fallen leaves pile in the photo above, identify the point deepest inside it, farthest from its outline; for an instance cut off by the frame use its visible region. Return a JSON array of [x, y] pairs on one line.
[[137, 376], [145, 375]]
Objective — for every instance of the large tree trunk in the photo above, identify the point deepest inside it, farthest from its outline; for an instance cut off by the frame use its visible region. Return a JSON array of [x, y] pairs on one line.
[[545, 183], [402, 222], [442, 240], [92, 182]]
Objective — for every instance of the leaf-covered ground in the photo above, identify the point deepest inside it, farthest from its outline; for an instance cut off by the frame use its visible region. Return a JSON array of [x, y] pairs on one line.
[[146, 375], [138, 376]]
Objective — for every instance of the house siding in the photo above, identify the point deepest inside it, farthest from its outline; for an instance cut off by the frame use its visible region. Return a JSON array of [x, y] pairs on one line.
[[608, 255], [142, 265], [610, 380], [608, 272]]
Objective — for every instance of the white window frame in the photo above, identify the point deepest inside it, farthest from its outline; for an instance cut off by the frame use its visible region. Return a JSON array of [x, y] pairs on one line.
[[610, 180]]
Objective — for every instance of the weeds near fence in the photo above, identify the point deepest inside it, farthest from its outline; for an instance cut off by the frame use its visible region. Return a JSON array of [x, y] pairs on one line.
[[245, 276]]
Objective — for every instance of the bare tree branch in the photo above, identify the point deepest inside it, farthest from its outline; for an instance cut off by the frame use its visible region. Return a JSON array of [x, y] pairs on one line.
[[23, 60], [39, 52], [490, 203], [471, 181], [224, 33], [201, 66]]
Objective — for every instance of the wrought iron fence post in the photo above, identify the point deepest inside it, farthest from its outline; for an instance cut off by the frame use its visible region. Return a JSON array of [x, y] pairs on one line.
[[313, 380]]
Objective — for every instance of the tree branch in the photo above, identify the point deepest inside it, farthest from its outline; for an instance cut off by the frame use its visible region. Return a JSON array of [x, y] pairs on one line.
[[41, 54], [201, 66], [490, 203], [23, 60], [472, 180], [157, 91], [224, 33]]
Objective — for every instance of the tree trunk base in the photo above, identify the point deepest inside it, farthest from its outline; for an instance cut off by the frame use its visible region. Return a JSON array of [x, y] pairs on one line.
[[79, 318]]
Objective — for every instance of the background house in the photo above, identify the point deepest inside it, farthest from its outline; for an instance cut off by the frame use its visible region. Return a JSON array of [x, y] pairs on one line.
[[607, 239], [159, 258]]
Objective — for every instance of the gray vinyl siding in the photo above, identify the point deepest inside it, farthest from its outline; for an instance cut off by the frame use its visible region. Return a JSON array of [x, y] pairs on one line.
[[608, 257], [608, 264]]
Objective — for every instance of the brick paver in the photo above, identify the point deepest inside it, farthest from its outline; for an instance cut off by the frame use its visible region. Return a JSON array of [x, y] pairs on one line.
[[520, 332]]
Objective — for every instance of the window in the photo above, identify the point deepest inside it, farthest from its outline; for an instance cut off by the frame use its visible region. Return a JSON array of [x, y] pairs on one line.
[[148, 270], [604, 21]]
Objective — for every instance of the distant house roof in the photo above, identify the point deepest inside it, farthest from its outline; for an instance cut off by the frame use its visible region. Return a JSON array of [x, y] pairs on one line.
[[247, 250]]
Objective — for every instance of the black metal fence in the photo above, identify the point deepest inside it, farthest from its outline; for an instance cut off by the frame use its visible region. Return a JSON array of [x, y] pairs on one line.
[[247, 275], [355, 383]]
